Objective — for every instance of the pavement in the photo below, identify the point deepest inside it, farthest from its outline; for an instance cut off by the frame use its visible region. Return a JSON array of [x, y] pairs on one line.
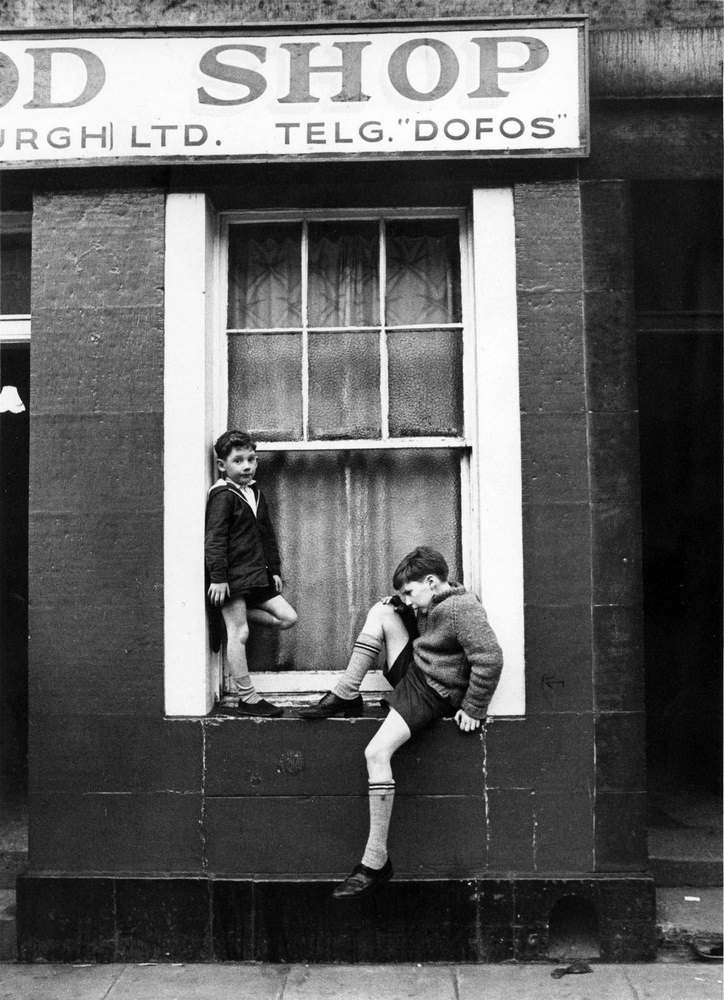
[[686, 981]]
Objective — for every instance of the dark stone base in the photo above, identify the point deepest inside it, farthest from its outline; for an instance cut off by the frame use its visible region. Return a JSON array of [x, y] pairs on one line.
[[199, 920]]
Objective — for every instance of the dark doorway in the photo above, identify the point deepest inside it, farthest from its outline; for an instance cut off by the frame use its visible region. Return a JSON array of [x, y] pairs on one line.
[[14, 371], [678, 275]]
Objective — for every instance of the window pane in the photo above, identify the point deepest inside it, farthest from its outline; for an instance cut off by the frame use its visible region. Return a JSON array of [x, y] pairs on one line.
[[265, 385], [425, 378], [15, 273], [265, 276], [343, 274], [344, 385], [423, 272], [344, 521]]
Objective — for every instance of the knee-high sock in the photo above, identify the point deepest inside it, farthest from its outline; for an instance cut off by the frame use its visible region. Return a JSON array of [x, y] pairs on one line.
[[381, 798], [241, 686], [364, 656]]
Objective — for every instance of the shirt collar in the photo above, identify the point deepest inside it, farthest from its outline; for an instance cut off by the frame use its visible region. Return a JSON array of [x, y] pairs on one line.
[[230, 482]]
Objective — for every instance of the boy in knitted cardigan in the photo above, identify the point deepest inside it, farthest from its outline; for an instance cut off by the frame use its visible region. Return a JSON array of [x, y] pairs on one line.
[[443, 660]]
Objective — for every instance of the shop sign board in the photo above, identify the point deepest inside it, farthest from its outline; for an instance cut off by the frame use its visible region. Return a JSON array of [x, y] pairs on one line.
[[444, 89]]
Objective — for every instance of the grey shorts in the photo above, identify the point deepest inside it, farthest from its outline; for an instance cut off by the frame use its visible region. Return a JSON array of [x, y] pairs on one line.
[[412, 697]]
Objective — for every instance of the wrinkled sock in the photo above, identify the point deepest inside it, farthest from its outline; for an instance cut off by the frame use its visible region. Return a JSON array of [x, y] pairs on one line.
[[364, 656], [244, 690], [381, 798]]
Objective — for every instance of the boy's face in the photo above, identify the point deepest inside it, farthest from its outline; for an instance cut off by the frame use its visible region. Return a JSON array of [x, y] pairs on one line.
[[239, 465], [418, 594]]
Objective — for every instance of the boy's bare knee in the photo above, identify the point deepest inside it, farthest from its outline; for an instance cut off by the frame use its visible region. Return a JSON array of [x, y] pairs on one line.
[[377, 615], [239, 633], [289, 620], [376, 755]]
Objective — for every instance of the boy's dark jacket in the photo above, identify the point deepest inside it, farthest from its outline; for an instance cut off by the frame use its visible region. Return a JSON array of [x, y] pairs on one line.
[[240, 549]]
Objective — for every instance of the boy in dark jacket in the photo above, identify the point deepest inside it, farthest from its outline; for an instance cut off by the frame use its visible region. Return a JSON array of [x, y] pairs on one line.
[[242, 563], [443, 661]]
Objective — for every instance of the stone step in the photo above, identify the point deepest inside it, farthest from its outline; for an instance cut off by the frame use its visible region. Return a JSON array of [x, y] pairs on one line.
[[674, 872], [688, 919], [8, 938]]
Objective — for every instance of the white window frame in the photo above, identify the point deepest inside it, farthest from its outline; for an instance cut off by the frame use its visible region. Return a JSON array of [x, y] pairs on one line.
[[195, 387]]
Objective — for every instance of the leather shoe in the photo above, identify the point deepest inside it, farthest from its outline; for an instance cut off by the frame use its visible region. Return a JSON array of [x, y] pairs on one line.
[[330, 704], [362, 881], [261, 709]]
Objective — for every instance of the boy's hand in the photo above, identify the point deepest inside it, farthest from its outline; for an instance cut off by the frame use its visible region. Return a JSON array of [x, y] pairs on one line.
[[278, 583], [218, 592], [393, 599], [466, 722]]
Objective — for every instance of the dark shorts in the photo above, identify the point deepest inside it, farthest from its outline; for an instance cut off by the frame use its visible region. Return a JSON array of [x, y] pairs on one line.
[[254, 596], [412, 697]]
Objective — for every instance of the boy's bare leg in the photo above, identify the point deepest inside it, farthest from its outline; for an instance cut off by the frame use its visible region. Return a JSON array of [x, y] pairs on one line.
[[392, 734], [382, 627], [274, 613], [237, 631]]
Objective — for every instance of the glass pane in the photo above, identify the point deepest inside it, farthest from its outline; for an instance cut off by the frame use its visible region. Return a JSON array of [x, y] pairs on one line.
[[265, 385], [361, 512], [426, 382], [343, 274], [344, 385], [265, 276], [423, 272], [15, 273]]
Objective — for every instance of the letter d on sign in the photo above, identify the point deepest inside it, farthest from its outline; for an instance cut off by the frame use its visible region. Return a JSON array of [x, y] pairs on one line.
[[9, 79], [94, 71], [425, 130]]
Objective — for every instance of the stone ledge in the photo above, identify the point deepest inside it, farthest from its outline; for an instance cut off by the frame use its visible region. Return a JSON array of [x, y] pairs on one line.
[[197, 920]]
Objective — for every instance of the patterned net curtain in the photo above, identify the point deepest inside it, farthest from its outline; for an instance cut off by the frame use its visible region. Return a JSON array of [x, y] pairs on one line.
[[347, 331]]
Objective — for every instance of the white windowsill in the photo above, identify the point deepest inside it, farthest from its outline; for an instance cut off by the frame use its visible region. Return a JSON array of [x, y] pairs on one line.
[[15, 329], [312, 682]]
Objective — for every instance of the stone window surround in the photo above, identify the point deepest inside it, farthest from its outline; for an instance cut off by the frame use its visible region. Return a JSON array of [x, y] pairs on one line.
[[193, 417]]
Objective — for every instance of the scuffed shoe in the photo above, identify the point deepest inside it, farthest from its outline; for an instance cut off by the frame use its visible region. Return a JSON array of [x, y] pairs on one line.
[[363, 880], [330, 704]]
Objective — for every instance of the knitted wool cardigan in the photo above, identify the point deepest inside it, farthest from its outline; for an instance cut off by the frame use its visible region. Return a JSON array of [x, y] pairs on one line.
[[458, 652]]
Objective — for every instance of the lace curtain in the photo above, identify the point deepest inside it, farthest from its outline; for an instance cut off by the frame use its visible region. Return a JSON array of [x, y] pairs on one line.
[[342, 294], [265, 274], [345, 518]]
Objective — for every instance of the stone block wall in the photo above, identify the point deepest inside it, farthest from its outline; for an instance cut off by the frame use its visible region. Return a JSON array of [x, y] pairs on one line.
[[116, 788], [161, 13]]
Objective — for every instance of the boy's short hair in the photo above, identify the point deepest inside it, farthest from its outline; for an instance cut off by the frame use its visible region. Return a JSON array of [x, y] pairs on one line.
[[417, 564], [233, 439]]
